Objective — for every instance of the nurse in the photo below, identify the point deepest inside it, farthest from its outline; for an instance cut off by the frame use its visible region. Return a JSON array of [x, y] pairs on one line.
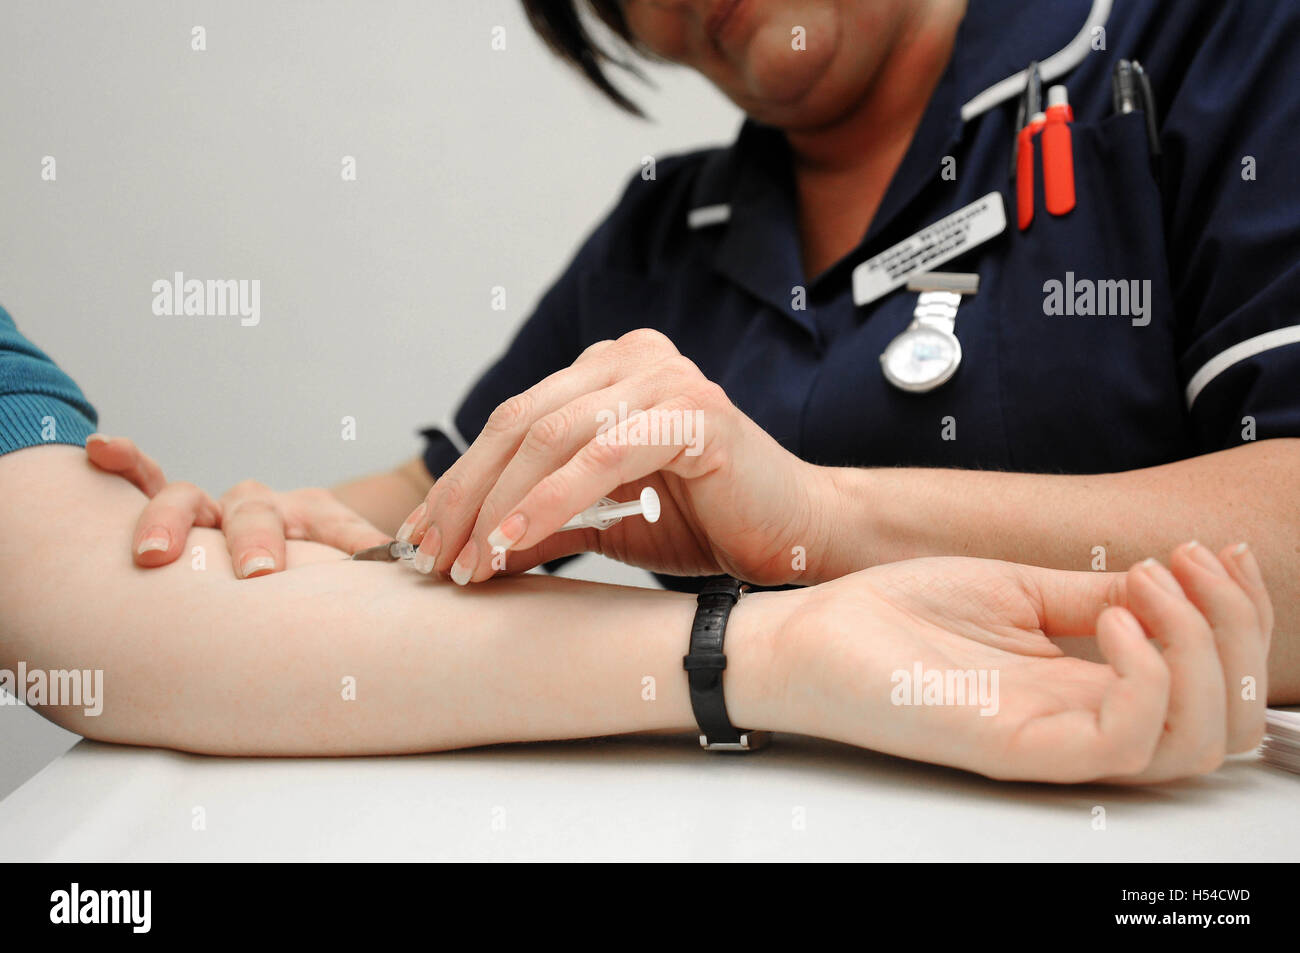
[[884, 357]]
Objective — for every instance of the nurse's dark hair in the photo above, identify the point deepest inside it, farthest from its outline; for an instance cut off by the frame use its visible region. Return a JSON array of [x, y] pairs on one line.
[[561, 25]]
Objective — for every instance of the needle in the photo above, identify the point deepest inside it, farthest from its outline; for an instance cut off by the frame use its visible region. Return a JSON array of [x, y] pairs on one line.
[[386, 552]]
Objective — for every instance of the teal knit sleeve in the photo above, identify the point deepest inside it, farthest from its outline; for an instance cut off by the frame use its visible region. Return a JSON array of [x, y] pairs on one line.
[[38, 402]]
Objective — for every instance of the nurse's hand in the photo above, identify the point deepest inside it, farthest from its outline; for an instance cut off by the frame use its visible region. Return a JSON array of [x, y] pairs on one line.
[[1183, 684], [733, 500], [256, 520]]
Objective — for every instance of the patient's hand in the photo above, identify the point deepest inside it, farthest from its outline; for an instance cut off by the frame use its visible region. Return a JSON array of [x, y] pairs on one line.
[[1170, 703], [255, 519]]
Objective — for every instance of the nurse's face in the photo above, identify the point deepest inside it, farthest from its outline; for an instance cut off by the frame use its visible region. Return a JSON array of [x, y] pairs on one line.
[[794, 64]]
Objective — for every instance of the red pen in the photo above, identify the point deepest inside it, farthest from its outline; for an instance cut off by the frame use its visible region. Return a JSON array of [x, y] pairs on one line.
[[1058, 153], [1025, 170], [1029, 119]]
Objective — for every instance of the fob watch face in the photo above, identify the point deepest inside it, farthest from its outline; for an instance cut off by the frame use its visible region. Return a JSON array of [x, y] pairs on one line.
[[921, 358]]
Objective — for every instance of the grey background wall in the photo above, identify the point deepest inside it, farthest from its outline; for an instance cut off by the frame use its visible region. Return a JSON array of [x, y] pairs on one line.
[[475, 168]]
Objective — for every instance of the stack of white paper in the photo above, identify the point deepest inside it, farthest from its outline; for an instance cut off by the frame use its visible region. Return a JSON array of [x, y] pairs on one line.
[[1282, 740]]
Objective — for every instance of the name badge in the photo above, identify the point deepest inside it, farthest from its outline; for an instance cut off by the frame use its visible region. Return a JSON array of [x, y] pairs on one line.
[[929, 248]]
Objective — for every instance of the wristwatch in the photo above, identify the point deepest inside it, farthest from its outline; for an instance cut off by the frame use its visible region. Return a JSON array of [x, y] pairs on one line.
[[705, 663]]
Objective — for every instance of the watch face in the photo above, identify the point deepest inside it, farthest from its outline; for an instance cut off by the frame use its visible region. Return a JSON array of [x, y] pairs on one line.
[[921, 358]]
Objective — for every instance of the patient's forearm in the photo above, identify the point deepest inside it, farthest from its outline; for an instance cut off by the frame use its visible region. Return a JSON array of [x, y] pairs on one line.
[[195, 659]]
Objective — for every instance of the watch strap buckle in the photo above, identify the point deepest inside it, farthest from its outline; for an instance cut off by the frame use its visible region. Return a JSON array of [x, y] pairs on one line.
[[748, 741]]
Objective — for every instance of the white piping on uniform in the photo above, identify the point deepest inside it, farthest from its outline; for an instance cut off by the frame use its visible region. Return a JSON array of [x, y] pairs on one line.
[[707, 215], [1054, 67], [1238, 353], [451, 433]]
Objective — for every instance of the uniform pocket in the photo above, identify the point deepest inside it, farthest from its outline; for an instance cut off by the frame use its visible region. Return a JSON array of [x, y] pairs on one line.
[[1085, 316]]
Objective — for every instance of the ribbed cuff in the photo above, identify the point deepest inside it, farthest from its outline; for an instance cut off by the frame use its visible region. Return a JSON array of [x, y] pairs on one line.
[[29, 420]]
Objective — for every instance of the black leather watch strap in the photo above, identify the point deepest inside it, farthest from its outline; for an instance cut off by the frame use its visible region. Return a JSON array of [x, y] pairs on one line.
[[705, 663]]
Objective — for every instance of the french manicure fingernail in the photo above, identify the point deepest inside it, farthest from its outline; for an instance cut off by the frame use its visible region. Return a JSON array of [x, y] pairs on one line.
[[509, 532], [100, 437], [256, 564], [1203, 557], [404, 534], [428, 552], [1249, 564], [157, 540], [463, 568], [1162, 577]]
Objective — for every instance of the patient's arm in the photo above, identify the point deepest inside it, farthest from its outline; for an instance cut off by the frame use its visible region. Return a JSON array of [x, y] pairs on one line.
[[198, 660], [195, 659]]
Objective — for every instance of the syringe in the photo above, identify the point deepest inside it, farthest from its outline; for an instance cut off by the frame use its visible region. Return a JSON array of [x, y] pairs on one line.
[[602, 514], [605, 512]]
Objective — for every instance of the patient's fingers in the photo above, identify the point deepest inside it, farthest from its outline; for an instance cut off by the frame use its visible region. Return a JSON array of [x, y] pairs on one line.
[[1117, 740], [254, 529], [1195, 735], [1243, 567], [165, 522], [1134, 707], [1234, 619], [1069, 601], [119, 455], [1211, 617]]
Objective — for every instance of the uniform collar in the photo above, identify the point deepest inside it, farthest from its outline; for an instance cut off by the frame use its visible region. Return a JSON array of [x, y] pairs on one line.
[[748, 189]]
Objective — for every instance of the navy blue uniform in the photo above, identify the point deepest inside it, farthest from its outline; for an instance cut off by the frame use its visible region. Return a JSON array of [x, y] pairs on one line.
[[1214, 228]]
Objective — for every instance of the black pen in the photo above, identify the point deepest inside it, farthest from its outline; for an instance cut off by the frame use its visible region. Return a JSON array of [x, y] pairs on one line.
[[1143, 84], [1031, 104]]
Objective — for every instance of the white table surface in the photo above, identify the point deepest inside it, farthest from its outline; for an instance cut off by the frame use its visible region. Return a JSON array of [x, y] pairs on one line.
[[624, 798]]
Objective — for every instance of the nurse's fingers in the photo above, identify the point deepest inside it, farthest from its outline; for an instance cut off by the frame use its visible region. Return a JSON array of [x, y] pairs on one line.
[[609, 460], [441, 524], [464, 484], [557, 546], [1119, 738], [1195, 735], [254, 528], [165, 522], [173, 508], [121, 456], [457, 495], [593, 350], [1235, 621], [318, 515], [550, 443]]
